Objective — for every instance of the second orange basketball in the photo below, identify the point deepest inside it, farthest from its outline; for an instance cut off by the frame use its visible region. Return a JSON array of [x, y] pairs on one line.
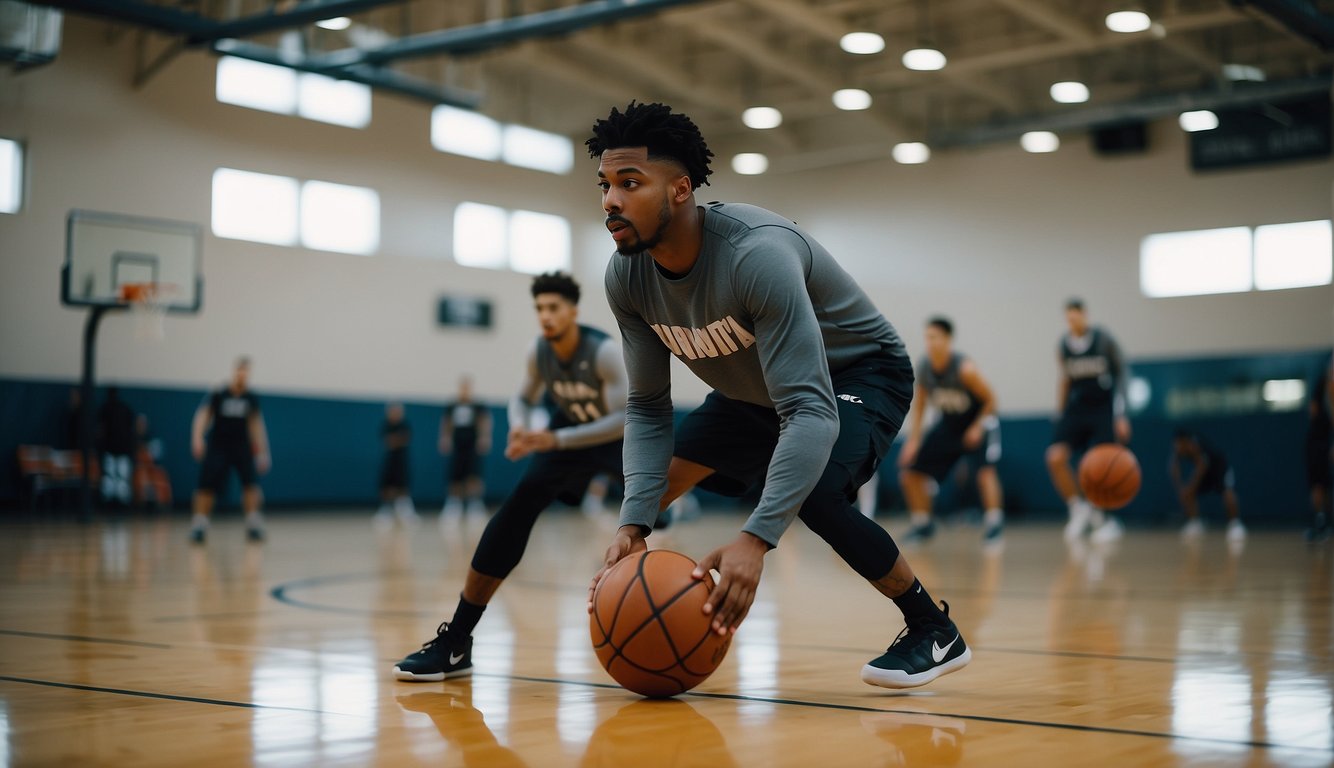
[[1109, 476], [648, 625]]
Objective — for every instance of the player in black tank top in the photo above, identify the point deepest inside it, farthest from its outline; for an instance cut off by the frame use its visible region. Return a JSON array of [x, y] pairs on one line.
[[228, 434], [966, 427], [395, 497], [1092, 411], [1209, 473], [465, 438], [582, 371]]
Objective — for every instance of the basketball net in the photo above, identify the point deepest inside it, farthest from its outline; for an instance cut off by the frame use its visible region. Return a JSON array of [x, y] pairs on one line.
[[148, 304]]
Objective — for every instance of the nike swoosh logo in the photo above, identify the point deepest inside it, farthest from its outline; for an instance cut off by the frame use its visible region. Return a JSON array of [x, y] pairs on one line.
[[938, 653], [456, 659]]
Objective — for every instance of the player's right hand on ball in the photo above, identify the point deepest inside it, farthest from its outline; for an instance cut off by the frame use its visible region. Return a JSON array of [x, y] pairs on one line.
[[629, 540]]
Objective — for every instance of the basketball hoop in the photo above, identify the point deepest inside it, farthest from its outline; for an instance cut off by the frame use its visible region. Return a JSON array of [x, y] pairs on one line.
[[148, 303]]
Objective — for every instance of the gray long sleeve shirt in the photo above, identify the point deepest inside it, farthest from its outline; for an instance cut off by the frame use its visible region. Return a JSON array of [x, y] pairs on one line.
[[764, 317]]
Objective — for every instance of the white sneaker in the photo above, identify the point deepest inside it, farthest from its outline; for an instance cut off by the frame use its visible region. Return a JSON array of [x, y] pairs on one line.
[[1109, 531], [1080, 512], [1193, 529], [1236, 531]]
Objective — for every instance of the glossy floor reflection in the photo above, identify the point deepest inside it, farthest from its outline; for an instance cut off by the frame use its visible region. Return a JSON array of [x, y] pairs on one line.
[[120, 644]]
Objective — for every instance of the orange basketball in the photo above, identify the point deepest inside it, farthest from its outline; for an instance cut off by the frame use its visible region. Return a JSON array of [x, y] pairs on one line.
[[648, 626], [1109, 475]]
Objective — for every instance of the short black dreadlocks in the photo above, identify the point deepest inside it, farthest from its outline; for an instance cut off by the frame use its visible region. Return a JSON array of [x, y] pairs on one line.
[[556, 282], [666, 134]]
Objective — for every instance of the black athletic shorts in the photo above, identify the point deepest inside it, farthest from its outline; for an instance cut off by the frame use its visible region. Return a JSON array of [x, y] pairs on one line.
[[941, 450], [464, 463], [1319, 463], [1080, 429], [219, 459], [570, 471], [1217, 478], [394, 471], [737, 439]]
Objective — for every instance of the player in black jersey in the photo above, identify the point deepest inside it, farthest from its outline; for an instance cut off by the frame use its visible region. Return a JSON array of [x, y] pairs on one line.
[[1210, 473], [966, 427], [581, 368], [1092, 411], [1320, 453], [228, 434], [395, 498], [465, 437]]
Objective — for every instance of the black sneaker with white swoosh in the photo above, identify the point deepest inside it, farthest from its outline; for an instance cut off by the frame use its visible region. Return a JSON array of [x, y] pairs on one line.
[[440, 658], [921, 653]]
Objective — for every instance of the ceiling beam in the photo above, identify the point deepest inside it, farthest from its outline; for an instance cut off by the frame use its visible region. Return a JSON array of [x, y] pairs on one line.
[[1150, 108], [297, 15], [476, 38]]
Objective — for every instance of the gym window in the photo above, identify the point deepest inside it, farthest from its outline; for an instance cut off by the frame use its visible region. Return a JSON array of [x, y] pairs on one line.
[[1237, 259], [491, 237], [472, 134], [11, 176], [272, 88], [281, 210]]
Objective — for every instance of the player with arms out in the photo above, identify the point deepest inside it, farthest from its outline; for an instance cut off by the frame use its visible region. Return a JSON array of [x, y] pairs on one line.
[[582, 369], [810, 382], [228, 434], [1093, 411], [966, 427]]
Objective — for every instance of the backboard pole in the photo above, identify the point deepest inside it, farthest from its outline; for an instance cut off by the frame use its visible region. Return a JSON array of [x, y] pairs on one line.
[[88, 415]]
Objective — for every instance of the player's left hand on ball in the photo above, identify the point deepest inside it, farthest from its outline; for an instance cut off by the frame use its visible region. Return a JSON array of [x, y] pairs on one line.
[[739, 565], [629, 540]]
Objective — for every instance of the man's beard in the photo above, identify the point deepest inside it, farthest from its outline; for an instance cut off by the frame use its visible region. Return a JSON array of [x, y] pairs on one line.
[[639, 245]]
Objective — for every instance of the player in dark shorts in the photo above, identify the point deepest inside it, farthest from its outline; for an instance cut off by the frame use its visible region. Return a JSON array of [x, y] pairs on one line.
[[228, 435], [116, 440], [1092, 411], [1320, 453], [810, 382], [582, 369], [395, 496], [1210, 473], [950, 385], [465, 437]]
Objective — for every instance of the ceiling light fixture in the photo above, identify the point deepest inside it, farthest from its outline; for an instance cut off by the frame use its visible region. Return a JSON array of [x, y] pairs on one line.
[[1128, 21], [1069, 92], [762, 118], [1198, 120], [336, 23], [862, 43], [1040, 141], [750, 163], [924, 60], [911, 153], [852, 99]]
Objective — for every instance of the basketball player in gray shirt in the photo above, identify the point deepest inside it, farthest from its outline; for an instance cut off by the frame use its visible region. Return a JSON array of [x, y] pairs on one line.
[[810, 382]]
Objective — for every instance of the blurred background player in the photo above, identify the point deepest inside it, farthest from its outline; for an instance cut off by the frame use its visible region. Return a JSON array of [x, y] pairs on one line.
[[582, 370], [465, 437], [1320, 452], [1092, 411], [116, 439], [1210, 473], [395, 497], [228, 434], [964, 408], [152, 485]]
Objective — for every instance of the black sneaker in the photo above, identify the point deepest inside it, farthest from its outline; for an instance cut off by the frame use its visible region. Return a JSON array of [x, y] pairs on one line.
[[440, 658], [919, 655], [197, 535]]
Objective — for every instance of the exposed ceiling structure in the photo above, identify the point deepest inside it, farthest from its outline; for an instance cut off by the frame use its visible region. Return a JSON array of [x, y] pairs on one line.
[[557, 64]]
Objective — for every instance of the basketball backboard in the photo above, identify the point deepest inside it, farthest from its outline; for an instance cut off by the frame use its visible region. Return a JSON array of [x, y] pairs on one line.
[[104, 252]]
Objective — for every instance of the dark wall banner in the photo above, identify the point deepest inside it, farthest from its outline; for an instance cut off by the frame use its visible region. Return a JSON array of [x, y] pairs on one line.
[[1264, 133]]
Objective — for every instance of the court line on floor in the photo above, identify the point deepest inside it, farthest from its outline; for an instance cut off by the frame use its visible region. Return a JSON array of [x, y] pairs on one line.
[[979, 718], [165, 696], [82, 639]]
